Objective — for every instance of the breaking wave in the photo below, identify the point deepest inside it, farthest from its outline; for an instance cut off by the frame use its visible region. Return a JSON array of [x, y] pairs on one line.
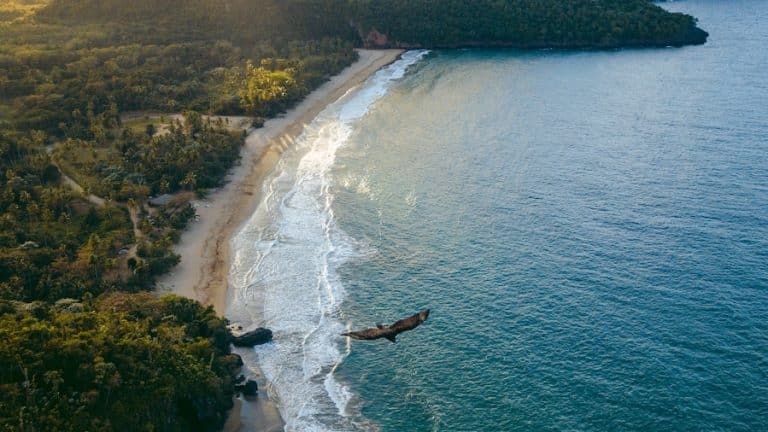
[[284, 268]]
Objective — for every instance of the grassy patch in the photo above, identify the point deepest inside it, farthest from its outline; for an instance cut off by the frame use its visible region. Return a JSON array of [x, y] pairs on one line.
[[138, 125], [80, 159]]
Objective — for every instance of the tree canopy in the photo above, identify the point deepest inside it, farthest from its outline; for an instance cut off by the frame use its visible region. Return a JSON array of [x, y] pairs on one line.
[[523, 23], [414, 23], [96, 117], [125, 362]]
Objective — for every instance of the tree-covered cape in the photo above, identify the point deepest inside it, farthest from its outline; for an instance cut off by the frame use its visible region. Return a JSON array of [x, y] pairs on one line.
[[125, 362]]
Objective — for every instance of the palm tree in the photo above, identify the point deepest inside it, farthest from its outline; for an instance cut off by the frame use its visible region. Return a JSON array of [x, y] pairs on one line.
[[190, 181]]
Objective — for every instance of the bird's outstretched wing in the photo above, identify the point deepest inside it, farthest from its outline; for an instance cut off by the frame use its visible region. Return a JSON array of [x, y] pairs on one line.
[[390, 333], [372, 333], [367, 334]]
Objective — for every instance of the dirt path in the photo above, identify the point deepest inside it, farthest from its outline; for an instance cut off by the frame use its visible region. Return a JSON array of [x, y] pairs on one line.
[[72, 184], [98, 201]]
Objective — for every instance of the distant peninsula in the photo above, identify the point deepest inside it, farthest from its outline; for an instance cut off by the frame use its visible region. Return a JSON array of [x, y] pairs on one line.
[[523, 24]]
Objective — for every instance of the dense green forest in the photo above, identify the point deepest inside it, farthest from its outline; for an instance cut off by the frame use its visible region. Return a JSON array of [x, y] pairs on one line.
[[105, 104], [522, 23], [78, 104], [124, 362], [412, 23]]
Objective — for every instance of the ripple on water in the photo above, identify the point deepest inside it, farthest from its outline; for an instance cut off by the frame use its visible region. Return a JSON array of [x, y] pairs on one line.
[[590, 232]]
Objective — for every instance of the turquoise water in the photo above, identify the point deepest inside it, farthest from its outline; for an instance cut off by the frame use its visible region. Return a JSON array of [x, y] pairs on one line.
[[590, 230]]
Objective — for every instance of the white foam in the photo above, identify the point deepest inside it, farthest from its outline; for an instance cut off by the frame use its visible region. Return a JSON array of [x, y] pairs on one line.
[[285, 261]]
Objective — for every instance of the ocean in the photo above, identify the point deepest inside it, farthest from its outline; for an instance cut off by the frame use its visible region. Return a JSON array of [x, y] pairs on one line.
[[588, 228]]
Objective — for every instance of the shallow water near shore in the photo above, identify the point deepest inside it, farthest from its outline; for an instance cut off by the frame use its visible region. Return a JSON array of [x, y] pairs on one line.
[[590, 230], [285, 261]]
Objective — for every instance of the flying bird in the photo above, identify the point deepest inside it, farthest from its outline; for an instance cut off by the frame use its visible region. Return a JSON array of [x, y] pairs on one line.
[[391, 332]]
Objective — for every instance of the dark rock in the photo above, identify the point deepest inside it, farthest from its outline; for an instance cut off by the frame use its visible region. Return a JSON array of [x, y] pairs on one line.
[[250, 388], [240, 379], [254, 337]]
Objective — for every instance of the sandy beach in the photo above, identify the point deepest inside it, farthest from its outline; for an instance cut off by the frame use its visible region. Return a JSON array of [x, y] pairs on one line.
[[204, 247]]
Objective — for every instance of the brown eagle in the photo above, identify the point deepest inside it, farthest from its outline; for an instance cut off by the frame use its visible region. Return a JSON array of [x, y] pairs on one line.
[[391, 332]]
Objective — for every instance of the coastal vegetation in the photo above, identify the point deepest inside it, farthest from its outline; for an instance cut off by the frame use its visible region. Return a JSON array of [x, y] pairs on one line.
[[82, 153], [105, 105], [522, 24], [411, 23], [190, 155], [125, 362]]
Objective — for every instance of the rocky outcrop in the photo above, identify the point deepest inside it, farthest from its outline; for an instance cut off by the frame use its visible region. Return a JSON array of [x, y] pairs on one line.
[[254, 337], [250, 388]]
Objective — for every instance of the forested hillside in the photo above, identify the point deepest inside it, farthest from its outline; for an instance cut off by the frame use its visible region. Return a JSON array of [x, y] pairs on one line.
[[522, 23], [97, 116], [64, 92], [118, 363], [242, 21], [412, 23]]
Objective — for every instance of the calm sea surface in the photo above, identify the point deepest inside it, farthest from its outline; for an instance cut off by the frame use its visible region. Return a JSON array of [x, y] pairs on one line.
[[590, 230]]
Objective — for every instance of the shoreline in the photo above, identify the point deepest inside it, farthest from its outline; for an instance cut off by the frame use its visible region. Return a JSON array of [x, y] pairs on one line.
[[204, 246]]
